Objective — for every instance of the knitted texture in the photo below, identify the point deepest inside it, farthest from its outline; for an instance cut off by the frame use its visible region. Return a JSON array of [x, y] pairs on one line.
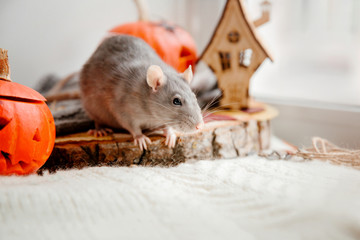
[[248, 198]]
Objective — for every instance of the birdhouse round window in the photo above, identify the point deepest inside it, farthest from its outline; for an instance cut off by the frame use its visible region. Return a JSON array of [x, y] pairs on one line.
[[233, 36]]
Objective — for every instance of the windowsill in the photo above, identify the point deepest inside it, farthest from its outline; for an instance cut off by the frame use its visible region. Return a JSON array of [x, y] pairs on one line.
[[300, 120]]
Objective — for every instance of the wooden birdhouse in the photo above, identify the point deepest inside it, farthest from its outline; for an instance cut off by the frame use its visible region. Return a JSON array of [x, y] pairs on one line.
[[235, 52]]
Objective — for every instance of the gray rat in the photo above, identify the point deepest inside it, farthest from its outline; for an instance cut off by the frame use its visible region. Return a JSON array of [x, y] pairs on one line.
[[126, 85]]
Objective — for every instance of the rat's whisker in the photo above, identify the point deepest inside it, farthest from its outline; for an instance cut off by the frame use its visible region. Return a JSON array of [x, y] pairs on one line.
[[205, 110], [215, 110], [195, 91], [218, 109], [210, 113], [214, 101], [229, 104]]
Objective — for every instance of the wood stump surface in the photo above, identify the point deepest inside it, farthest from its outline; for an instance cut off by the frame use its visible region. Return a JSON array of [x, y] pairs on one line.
[[245, 133]]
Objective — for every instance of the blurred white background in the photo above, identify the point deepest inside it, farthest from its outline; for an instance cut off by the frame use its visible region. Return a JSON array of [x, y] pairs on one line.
[[58, 36], [317, 50], [316, 47]]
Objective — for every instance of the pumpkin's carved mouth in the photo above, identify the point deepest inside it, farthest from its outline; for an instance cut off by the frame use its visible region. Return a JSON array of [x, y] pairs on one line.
[[9, 164], [7, 157]]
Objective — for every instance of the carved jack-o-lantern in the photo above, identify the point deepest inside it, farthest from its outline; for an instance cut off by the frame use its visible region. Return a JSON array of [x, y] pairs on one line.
[[173, 44], [27, 129]]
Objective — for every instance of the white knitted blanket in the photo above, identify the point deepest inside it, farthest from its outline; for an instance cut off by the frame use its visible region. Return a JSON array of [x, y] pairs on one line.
[[249, 198]]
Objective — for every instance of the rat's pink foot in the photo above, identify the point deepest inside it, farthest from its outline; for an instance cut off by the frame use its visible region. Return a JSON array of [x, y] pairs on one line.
[[170, 137], [100, 132], [142, 141]]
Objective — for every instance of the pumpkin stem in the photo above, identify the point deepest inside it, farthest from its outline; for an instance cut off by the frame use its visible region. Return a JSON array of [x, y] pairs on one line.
[[4, 65], [142, 10]]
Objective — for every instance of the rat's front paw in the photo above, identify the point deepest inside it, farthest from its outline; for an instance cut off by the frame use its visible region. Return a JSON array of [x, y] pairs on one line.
[[142, 141], [100, 132], [170, 137]]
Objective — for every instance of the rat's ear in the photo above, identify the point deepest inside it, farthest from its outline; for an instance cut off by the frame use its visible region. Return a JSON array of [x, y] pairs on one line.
[[155, 77], [188, 74]]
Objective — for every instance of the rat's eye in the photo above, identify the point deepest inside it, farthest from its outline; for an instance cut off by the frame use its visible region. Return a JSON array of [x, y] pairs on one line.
[[177, 101]]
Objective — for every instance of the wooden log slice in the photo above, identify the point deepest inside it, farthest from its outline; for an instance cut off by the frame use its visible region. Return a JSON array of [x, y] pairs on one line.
[[247, 133]]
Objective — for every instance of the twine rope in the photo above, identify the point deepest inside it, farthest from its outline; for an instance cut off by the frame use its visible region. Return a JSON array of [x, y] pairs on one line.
[[322, 150]]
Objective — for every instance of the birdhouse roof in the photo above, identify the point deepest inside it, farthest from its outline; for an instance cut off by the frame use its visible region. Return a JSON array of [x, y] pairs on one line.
[[249, 24]]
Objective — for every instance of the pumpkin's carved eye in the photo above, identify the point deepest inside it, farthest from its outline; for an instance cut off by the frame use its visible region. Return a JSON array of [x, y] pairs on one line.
[[37, 135], [185, 52], [4, 121]]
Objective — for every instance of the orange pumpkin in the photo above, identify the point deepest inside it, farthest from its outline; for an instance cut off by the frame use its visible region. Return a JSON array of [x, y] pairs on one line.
[[27, 129], [172, 43]]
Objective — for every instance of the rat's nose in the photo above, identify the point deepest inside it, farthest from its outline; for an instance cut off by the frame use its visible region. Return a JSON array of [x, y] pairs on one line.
[[200, 125]]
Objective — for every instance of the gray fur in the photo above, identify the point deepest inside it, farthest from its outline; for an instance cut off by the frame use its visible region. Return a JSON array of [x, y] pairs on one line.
[[115, 92]]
